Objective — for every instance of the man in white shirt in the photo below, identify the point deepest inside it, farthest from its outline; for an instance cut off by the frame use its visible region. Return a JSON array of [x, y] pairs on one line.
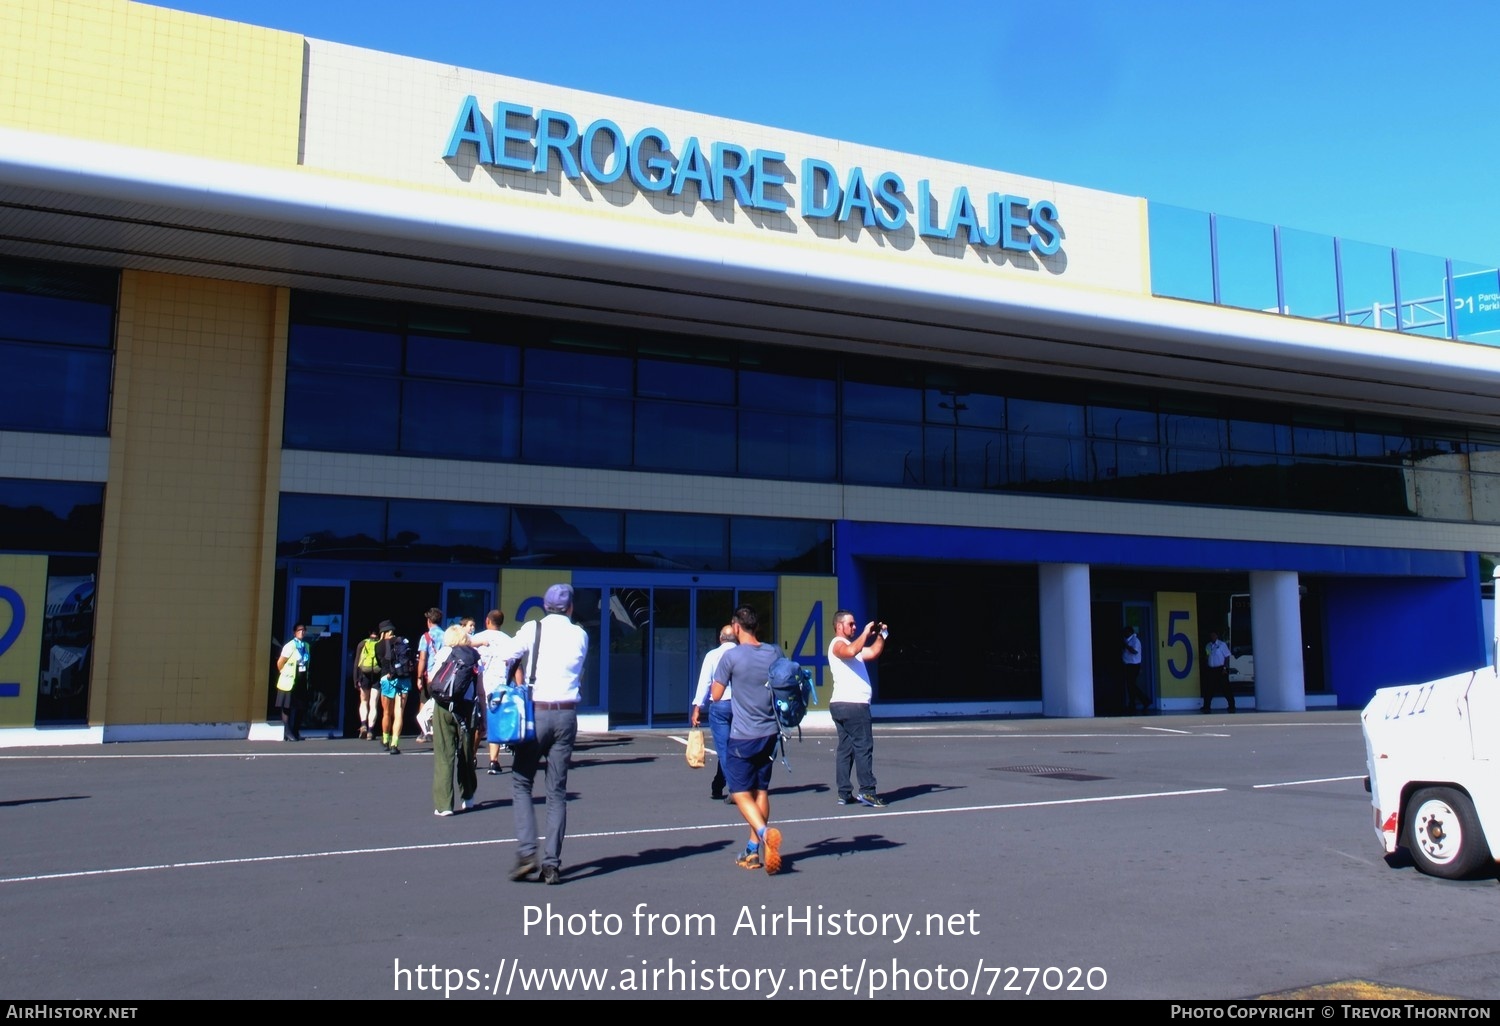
[[497, 653], [849, 705], [1216, 672], [720, 713], [554, 648]]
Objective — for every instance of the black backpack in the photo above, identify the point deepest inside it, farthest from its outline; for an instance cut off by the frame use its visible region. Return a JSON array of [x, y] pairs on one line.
[[403, 665], [455, 678]]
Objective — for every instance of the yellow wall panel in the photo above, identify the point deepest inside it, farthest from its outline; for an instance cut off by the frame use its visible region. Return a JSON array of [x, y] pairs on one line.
[[196, 419], [122, 72]]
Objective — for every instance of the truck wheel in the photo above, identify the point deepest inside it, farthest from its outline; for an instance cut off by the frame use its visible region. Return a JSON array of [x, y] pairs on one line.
[[1443, 834]]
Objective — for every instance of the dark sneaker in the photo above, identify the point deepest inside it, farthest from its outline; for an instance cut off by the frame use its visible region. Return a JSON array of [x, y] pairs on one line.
[[393, 750], [845, 799], [551, 875], [524, 867], [716, 797], [749, 858], [874, 801], [494, 769]]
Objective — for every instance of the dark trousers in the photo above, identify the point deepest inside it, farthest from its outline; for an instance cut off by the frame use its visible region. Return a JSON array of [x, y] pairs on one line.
[[856, 747], [720, 716], [1133, 694], [556, 730], [1216, 682]]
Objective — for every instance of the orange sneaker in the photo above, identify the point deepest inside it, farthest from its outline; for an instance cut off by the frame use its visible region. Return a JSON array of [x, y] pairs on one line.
[[770, 850]]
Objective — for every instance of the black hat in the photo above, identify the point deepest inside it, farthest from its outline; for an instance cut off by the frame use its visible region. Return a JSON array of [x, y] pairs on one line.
[[386, 625]]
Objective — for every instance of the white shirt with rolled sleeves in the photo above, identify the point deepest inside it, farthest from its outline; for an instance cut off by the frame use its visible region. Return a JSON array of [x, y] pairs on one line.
[[559, 661], [706, 675]]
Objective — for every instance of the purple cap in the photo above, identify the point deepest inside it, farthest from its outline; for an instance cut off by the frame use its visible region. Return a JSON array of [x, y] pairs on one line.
[[559, 598]]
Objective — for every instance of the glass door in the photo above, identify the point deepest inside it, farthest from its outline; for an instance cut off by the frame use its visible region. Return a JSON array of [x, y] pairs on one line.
[[321, 608]]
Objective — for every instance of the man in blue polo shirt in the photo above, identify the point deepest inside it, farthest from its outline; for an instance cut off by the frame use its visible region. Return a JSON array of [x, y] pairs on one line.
[[744, 670]]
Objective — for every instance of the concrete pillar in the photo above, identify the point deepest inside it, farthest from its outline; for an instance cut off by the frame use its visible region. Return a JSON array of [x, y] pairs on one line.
[[1067, 641], [1276, 617]]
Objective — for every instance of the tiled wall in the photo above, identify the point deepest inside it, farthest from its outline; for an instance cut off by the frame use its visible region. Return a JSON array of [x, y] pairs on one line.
[[184, 589], [137, 75]]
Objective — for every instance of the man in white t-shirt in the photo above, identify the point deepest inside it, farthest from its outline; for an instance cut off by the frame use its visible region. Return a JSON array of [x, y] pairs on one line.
[[849, 705], [498, 651]]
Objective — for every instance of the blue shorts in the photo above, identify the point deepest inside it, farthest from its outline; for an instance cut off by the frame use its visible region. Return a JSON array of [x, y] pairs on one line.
[[748, 763], [394, 687]]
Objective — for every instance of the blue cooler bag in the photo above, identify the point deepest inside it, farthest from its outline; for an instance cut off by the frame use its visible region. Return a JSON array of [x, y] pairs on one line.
[[509, 717]]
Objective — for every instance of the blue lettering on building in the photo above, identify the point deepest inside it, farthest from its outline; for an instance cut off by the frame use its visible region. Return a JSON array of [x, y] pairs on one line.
[[518, 138]]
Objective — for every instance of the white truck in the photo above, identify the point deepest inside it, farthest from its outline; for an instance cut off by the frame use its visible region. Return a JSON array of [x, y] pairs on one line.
[[1433, 754]]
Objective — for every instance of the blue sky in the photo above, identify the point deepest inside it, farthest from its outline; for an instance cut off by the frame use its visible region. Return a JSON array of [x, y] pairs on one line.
[[1374, 120]]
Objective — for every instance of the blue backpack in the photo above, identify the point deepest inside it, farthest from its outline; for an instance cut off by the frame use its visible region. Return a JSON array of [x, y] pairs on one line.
[[791, 693]]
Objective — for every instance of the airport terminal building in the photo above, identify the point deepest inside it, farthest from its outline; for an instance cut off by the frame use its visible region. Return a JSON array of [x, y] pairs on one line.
[[297, 332]]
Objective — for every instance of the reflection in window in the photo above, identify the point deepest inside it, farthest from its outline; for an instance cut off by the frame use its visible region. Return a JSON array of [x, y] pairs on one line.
[[677, 541], [343, 349], [449, 419], [448, 532], [341, 412], [334, 526], [787, 447], [876, 453], [51, 516], [56, 342], [576, 431], [663, 430], [784, 546], [557, 537]]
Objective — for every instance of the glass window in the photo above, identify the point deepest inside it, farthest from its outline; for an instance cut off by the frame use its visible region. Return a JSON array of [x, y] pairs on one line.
[[557, 537], [574, 370], [963, 458], [1259, 436], [1424, 293], [461, 359], [448, 532], [444, 418], [760, 390], [1369, 285], [576, 431], [1320, 436], [1122, 424], [340, 412], [882, 402], [783, 546], [51, 516], [880, 453], [1181, 258], [54, 388], [1247, 264], [345, 349], [1310, 285], [677, 541], [1038, 459], [787, 447], [1038, 417], [330, 525], [64, 303], [677, 436], [659, 379], [954, 406]]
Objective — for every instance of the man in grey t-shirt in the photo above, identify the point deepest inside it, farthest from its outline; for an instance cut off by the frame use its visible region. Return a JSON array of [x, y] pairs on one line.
[[744, 670]]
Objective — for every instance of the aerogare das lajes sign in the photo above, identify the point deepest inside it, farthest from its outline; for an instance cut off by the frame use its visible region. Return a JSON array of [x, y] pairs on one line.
[[520, 138]]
